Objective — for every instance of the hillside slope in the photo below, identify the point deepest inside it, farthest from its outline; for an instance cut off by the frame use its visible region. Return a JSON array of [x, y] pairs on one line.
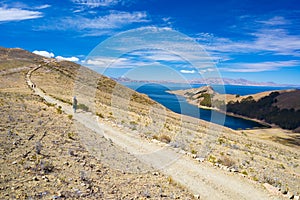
[[43, 156], [274, 160], [279, 107]]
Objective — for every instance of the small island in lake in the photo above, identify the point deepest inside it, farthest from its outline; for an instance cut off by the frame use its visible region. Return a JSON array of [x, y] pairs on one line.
[[280, 107]]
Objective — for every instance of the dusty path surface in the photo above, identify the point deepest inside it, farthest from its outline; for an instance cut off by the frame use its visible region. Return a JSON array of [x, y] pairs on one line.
[[200, 178]]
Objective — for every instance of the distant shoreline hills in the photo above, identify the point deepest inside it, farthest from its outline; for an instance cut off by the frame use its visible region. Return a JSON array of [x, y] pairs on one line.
[[210, 81]]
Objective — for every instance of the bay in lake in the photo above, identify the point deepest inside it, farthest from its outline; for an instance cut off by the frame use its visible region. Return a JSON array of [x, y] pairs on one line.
[[179, 105]]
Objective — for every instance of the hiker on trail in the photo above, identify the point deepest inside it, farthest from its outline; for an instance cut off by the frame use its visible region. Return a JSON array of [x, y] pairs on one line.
[[74, 104]]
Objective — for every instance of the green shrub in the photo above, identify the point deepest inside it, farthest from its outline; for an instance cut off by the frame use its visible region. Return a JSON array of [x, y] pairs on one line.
[[244, 172], [212, 159], [193, 151], [71, 135], [59, 110]]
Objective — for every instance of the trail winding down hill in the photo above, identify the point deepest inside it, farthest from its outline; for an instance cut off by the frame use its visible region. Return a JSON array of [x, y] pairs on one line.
[[200, 178]]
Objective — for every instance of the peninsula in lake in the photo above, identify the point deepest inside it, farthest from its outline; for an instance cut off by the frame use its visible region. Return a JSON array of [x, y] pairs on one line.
[[278, 107]]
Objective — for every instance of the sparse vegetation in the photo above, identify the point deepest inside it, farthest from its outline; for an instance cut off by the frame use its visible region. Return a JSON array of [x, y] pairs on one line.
[[225, 160], [83, 107], [62, 149], [155, 137], [212, 159], [244, 172], [265, 109], [221, 140], [164, 138], [71, 135], [61, 99], [193, 151], [59, 110], [100, 115], [49, 104]]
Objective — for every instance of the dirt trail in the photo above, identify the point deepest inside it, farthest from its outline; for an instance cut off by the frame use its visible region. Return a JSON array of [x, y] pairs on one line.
[[200, 178]]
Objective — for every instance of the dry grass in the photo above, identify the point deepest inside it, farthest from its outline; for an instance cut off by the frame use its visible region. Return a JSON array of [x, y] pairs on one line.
[[248, 150]]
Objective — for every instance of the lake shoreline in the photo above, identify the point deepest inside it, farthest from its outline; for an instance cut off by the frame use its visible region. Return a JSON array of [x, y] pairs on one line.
[[267, 125]]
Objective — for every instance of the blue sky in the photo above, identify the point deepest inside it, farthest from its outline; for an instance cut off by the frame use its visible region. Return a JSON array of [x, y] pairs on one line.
[[258, 40]]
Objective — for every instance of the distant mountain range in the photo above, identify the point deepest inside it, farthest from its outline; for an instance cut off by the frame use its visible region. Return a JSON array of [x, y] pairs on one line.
[[209, 81]]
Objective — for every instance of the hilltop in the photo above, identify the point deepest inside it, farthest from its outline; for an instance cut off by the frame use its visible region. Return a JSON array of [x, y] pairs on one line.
[[48, 151]]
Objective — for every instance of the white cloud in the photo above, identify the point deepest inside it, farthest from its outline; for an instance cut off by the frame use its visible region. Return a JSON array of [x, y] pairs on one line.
[[274, 41], [187, 71], [149, 46], [72, 59], [203, 71], [108, 62], [43, 7], [277, 20], [16, 14], [101, 25], [96, 3], [260, 67], [44, 53], [263, 36]]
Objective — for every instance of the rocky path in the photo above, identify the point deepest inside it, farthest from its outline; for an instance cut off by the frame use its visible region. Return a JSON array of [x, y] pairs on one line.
[[200, 178]]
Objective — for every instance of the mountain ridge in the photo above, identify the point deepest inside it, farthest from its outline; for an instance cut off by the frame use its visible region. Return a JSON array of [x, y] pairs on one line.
[[211, 81]]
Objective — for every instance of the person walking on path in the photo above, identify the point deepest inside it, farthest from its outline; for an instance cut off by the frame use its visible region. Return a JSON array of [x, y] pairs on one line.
[[74, 104]]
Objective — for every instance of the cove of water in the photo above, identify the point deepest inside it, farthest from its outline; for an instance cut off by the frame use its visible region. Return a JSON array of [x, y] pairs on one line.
[[178, 104]]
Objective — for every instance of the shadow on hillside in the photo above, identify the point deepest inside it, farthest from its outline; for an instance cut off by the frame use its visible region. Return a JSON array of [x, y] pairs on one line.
[[293, 140]]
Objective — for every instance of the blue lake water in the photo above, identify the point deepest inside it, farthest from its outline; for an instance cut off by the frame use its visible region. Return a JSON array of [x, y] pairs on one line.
[[179, 105]]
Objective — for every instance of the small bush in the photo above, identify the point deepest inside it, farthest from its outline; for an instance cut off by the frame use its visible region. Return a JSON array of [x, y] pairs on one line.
[[70, 117], [255, 178], [194, 151], [170, 180], [244, 172], [59, 110], [71, 135], [133, 123], [165, 138], [281, 166], [49, 104], [155, 137], [83, 107], [100, 115], [221, 140], [212, 159], [227, 161]]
